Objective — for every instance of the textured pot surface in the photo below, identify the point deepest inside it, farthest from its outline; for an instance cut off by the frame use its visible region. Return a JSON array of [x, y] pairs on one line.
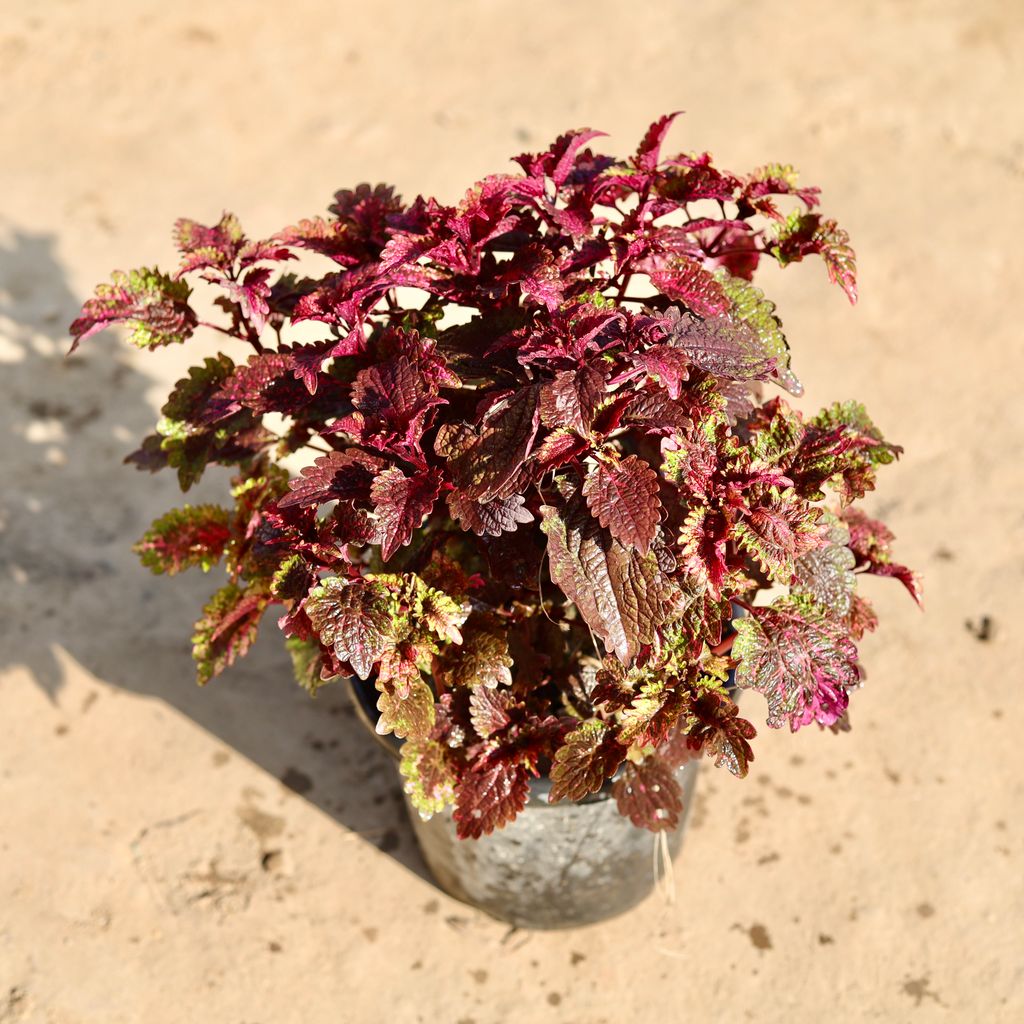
[[557, 865]]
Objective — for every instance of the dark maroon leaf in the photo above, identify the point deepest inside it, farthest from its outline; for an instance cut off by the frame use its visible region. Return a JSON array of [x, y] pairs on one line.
[[622, 595], [649, 795], [624, 498], [490, 518], [589, 757], [346, 475], [401, 504], [489, 797]]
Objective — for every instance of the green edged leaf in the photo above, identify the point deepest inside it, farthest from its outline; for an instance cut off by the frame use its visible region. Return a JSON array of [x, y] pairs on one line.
[[185, 537]]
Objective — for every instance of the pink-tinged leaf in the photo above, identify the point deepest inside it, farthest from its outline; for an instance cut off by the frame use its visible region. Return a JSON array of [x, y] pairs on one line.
[[251, 293], [489, 797], [805, 234], [308, 360], [185, 537], [346, 475], [718, 732], [776, 531], [648, 152], [534, 270], [429, 779], [573, 398], [151, 305], [443, 614], [227, 629], [483, 464], [558, 161], [624, 498], [649, 795], [723, 346], [870, 542], [686, 281], [585, 761], [622, 595], [801, 660], [668, 365], [354, 617], [401, 504], [558, 448], [825, 573], [266, 383], [490, 518], [205, 247], [488, 710], [703, 541], [334, 239]]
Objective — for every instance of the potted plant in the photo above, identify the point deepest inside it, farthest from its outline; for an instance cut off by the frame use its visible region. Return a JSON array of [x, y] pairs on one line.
[[539, 504]]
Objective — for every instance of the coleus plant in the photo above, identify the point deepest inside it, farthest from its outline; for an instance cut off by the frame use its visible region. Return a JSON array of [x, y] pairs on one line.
[[542, 502]]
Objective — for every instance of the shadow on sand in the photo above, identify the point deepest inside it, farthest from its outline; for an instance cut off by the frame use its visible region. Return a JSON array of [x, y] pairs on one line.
[[73, 590]]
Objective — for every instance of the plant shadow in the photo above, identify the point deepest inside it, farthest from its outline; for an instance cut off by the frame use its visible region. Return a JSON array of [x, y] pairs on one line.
[[75, 595]]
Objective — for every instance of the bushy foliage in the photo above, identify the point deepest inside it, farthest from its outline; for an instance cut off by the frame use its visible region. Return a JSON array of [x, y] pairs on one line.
[[542, 491]]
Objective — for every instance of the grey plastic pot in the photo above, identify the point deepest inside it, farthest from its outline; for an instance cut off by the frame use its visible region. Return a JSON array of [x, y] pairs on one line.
[[556, 866]]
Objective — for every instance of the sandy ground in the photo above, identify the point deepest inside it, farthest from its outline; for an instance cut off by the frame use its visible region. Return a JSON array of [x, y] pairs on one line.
[[239, 854]]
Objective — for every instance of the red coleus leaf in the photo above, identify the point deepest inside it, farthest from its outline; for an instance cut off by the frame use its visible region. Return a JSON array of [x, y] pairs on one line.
[[720, 733], [623, 595], [870, 542], [488, 710], [776, 531], [266, 383], [346, 475], [354, 617], [557, 162], [185, 537], [685, 280], [573, 398], [802, 660], [488, 797], [401, 504], [484, 463], [668, 365], [588, 757], [649, 795], [722, 346], [151, 305], [649, 150], [203, 247], [227, 629], [490, 518], [251, 292], [624, 498], [703, 542], [804, 234]]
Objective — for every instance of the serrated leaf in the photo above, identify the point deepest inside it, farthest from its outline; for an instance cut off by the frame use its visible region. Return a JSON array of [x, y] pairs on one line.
[[481, 660], [588, 757], [685, 280], [489, 797], [825, 573], [573, 398], [649, 795], [623, 595], [804, 234], [870, 541], [776, 531], [488, 710], [406, 711], [227, 629], [153, 306], [401, 504], [189, 400], [346, 475], [624, 498], [185, 537], [429, 780], [489, 518], [725, 346], [749, 305], [801, 660], [720, 733], [354, 617], [484, 463], [307, 664]]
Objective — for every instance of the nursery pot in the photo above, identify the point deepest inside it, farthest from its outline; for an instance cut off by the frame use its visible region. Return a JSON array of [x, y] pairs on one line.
[[557, 865]]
